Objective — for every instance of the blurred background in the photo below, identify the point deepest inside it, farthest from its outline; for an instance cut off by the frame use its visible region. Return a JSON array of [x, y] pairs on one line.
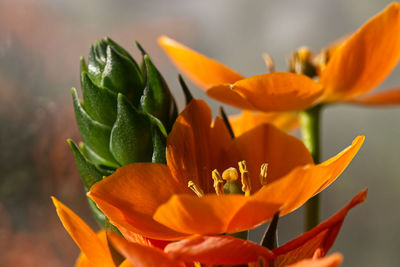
[[40, 45]]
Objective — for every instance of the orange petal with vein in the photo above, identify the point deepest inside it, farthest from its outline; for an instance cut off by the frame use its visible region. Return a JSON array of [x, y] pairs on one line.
[[248, 120], [217, 250], [304, 182], [332, 260], [320, 237], [203, 71], [366, 58], [279, 91], [195, 148], [267, 144], [225, 94], [387, 98], [141, 256], [130, 196], [228, 213], [95, 250]]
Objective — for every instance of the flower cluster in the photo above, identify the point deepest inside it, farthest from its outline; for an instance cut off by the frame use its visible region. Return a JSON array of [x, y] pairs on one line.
[[184, 190]]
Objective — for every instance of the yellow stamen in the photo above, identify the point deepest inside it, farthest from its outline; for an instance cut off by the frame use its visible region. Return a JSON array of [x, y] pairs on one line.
[[269, 62], [303, 53], [196, 189], [246, 186], [323, 59], [218, 182], [263, 173], [230, 174]]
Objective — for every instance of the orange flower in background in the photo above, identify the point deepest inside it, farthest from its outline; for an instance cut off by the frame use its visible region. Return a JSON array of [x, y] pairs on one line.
[[154, 200], [354, 67]]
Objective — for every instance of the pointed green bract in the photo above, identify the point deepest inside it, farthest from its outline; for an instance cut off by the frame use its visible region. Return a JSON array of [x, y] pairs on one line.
[[157, 99], [100, 103], [90, 175], [131, 135], [94, 134], [121, 75]]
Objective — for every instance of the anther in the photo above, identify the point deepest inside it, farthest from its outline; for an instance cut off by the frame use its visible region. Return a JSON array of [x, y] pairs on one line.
[[304, 53], [196, 189], [218, 182], [246, 186], [269, 62], [263, 173]]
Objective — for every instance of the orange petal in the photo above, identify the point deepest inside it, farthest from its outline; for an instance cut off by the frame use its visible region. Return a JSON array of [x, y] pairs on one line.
[[225, 94], [217, 250], [339, 162], [203, 71], [391, 97], [248, 120], [320, 237], [228, 213], [366, 58], [130, 196], [279, 91], [332, 260], [95, 250], [82, 261], [126, 263], [144, 241], [139, 255], [267, 144], [194, 149], [294, 189]]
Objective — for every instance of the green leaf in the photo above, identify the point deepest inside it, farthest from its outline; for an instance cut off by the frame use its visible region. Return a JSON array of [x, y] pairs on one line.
[[101, 50], [90, 175], [104, 166], [100, 103], [119, 48], [131, 134], [122, 75], [185, 88], [157, 99], [159, 145], [94, 134], [99, 216], [83, 65], [95, 67]]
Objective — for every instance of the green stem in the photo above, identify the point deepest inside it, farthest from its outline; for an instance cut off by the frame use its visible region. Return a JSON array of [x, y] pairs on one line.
[[310, 130]]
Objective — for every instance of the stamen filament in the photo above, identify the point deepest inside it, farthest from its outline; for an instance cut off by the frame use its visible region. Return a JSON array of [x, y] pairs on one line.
[[269, 62], [196, 189]]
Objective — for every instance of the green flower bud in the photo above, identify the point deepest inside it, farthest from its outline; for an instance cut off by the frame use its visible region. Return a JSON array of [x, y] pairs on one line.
[[125, 115]]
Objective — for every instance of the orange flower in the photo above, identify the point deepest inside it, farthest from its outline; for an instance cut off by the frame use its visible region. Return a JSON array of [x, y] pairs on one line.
[[154, 200], [354, 66], [309, 247]]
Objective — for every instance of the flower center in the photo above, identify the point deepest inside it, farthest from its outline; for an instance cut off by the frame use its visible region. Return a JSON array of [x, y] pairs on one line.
[[228, 182]]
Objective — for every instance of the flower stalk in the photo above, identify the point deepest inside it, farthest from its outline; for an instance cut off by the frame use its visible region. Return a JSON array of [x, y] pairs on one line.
[[310, 130]]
